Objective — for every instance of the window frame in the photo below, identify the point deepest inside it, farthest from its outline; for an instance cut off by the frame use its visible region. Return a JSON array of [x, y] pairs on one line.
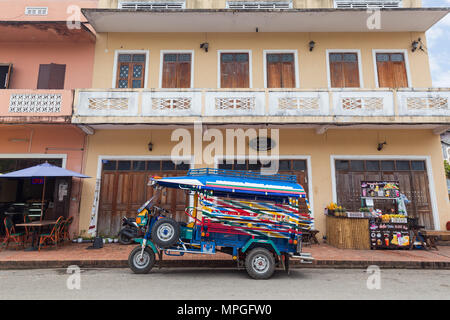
[[296, 66], [375, 66], [116, 64], [250, 69], [161, 65], [360, 71]]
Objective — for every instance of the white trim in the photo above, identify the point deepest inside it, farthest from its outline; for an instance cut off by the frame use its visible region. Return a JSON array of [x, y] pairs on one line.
[[116, 56], [218, 158], [427, 160], [115, 157], [358, 52], [296, 68], [375, 67], [62, 156], [250, 62], [161, 63]]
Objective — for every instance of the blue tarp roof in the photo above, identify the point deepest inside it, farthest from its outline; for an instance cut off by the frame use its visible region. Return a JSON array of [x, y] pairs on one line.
[[236, 182]]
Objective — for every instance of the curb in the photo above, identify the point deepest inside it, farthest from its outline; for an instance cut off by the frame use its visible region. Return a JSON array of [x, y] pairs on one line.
[[337, 264]]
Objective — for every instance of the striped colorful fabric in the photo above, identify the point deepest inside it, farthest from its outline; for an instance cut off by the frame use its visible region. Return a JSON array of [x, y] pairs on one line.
[[256, 218]]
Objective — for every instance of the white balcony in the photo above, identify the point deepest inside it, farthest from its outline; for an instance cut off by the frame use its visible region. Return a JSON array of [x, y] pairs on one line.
[[263, 105]]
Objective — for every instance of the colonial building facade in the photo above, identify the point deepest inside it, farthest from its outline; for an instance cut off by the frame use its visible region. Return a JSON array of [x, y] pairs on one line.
[[342, 89]]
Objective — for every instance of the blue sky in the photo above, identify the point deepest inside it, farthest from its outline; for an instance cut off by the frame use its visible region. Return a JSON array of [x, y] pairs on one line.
[[438, 38]]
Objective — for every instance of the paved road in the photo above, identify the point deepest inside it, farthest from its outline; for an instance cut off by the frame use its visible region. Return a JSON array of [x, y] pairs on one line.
[[223, 284]]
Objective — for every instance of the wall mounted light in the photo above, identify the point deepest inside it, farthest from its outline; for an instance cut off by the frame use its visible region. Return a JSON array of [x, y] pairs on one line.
[[312, 44], [204, 46], [417, 44], [150, 146], [381, 145]]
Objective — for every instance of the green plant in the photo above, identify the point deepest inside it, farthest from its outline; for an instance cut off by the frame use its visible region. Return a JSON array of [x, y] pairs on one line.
[[447, 169]]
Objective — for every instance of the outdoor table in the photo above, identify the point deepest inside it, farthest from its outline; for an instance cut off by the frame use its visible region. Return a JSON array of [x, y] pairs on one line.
[[431, 236], [35, 225]]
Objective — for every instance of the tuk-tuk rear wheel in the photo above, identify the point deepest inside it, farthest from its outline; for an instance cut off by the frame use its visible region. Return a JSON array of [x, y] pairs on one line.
[[141, 264], [260, 263]]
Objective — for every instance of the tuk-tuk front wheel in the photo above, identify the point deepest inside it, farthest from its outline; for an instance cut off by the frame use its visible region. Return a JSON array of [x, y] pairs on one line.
[[260, 263], [141, 263]]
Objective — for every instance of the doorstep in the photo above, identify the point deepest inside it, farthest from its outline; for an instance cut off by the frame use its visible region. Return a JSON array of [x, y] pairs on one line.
[[116, 255]]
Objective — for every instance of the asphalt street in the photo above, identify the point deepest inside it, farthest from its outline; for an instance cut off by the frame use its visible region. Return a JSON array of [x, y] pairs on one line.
[[202, 284]]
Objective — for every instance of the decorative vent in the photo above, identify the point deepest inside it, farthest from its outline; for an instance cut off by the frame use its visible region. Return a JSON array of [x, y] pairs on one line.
[[151, 5], [171, 104], [366, 104], [259, 5], [36, 11], [427, 103], [108, 103], [357, 4], [301, 104], [35, 103], [235, 103]]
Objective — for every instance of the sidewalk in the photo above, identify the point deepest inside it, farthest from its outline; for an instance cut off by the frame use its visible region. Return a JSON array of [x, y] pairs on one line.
[[116, 255]]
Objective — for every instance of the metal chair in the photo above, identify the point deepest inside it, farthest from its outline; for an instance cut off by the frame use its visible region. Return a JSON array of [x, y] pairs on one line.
[[11, 234], [53, 236]]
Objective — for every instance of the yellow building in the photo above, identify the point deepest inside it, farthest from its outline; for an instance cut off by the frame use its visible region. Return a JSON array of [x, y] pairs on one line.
[[342, 88]]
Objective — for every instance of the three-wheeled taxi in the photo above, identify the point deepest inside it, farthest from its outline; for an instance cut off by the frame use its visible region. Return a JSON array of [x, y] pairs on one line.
[[252, 217]]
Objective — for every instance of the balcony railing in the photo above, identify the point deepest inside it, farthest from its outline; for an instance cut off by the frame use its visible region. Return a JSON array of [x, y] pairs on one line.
[[326, 105], [36, 104]]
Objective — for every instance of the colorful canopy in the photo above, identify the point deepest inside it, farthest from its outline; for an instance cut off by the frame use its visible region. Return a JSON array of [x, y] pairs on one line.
[[236, 182]]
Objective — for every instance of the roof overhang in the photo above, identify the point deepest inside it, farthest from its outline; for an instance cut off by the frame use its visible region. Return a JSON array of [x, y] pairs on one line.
[[293, 20], [44, 31]]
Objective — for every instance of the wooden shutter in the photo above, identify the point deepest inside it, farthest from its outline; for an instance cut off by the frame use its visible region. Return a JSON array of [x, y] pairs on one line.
[[280, 71], [391, 70], [234, 69], [51, 76], [5, 75], [130, 71], [176, 70], [344, 70]]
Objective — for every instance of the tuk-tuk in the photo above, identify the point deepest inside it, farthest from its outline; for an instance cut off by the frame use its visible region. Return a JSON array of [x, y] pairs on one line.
[[254, 218]]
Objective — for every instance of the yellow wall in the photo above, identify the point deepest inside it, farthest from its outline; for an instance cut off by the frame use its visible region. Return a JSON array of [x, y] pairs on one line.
[[221, 4], [312, 65], [292, 142]]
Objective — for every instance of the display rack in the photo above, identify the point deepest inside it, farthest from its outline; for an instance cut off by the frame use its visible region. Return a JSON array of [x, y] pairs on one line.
[[390, 231]]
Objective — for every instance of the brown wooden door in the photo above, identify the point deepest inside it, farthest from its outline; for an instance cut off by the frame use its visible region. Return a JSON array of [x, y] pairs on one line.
[[130, 71], [176, 70], [234, 70], [51, 76], [280, 70], [124, 189], [391, 70], [344, 70]]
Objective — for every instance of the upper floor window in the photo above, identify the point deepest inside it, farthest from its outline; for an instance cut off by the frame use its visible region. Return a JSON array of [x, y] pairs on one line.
[[176, 70], [151, 5], [234, 70], [5, 75], [130, 70], [259, 4], [355, 4], [391, 70], [36, 11], [51, 76], [344, 70], [280, 70]]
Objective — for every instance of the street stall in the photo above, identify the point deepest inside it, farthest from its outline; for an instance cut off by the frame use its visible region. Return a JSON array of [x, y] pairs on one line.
[[381, 222], [31, 213]]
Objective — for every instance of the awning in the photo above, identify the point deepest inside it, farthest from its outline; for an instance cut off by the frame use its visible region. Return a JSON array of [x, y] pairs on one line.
[[292, 20]]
